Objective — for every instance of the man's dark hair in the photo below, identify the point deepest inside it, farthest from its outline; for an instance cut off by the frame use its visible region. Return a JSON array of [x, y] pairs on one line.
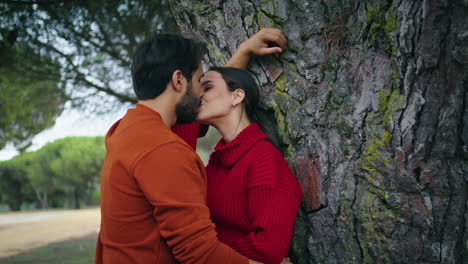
[[157, 58]]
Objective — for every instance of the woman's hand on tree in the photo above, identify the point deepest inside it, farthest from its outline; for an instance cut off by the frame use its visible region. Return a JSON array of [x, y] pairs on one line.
[[264, 42]]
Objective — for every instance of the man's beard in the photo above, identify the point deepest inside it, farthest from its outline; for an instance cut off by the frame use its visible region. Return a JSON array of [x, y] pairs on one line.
[[186, 110]]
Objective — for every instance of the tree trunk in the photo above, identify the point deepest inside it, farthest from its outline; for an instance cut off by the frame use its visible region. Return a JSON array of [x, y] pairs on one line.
[[71, 197], [42, 199], [14, 205], [76, 193], [88, 196], [370, 100]]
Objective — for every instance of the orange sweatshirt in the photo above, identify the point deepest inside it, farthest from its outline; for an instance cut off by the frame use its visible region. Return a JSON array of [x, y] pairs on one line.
[[153, 198]]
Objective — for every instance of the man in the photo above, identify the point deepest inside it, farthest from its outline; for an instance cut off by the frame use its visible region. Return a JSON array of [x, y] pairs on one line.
[[153, 185]]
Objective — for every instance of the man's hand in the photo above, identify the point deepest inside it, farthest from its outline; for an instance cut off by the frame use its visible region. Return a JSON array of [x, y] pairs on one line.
[[264, 42]]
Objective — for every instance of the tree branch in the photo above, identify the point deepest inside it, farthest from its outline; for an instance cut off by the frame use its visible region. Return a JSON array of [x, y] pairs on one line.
[[112, 52], [81, 77]]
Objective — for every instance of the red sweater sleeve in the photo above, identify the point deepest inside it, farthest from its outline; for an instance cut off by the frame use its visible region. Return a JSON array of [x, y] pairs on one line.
[[274, 197], [172, 179], [191, 132]]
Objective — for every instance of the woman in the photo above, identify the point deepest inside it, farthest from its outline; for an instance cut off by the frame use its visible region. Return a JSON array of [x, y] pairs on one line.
[[253, 196]]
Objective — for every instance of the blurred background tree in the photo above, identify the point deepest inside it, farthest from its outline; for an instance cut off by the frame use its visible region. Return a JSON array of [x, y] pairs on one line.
[[61, 174], [76, 51], [77, 168], [15, 189], [30, 100]]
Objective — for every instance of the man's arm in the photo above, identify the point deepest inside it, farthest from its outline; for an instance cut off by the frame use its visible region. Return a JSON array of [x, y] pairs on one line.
[[191, 132], [171, 178], [264, 42]]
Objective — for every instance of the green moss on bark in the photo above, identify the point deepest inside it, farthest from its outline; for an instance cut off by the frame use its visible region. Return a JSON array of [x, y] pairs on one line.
[[375, 209], [280, 82], [381, 26]]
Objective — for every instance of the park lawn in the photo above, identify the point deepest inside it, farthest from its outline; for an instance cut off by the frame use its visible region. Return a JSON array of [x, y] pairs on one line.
[[74, 251]]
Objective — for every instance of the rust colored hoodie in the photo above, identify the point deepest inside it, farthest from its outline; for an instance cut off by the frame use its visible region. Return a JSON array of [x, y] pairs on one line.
[[153, 198]]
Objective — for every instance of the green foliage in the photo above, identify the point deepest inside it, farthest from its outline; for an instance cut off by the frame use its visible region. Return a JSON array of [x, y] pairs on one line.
[[14, 185], [92, 40], [55, 51], [78, 167], [29, 103], [63, 173]]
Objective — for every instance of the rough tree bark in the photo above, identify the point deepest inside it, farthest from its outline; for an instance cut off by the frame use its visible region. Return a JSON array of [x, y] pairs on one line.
[[370, 100]]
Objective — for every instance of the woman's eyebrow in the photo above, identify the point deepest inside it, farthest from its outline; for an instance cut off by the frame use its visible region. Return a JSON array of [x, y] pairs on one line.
[[207, 81]]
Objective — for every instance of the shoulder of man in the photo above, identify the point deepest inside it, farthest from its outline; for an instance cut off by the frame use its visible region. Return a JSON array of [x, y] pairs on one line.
[[163, 142], [136, 142]]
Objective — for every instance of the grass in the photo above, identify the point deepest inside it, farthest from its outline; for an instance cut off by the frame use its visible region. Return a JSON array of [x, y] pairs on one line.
[[76, 251]]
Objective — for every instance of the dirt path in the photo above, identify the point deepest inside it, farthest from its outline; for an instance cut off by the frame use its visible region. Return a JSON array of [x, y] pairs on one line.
[[20, 232]]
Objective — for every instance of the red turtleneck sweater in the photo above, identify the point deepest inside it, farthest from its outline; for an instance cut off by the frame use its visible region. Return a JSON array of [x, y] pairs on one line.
[[253, 195]]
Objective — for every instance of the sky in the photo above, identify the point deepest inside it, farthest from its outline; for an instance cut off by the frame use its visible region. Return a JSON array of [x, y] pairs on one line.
[[71, 122]]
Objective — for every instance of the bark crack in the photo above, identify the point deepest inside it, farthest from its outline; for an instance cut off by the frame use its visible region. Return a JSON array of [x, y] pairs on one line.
[[452, 189], [442, 56], [417, 32], [419, 114], [354, 204], [444, 222], [354, 209], [463, 144], [243, 23]]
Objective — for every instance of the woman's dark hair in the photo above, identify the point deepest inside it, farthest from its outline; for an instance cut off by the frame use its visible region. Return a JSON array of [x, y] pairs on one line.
[[157, 58], [242, 79]]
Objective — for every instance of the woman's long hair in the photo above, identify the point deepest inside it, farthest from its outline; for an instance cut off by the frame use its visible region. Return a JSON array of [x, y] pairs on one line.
[[256, 112]]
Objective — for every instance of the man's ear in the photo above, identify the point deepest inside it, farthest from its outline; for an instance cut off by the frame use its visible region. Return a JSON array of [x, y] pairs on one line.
[[178, 81], [238, 96]]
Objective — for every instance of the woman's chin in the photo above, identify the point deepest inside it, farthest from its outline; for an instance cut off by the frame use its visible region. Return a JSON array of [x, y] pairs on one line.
[[201, 120]]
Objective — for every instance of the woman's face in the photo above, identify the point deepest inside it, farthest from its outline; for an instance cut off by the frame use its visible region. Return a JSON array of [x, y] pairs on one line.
[[216, 101]]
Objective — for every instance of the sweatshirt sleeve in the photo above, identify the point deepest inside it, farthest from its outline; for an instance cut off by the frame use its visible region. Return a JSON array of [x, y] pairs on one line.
[[191, 132], [273, 200], [172, 180]]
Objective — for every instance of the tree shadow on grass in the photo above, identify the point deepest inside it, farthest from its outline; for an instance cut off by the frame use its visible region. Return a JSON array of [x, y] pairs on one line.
[[73, 251]]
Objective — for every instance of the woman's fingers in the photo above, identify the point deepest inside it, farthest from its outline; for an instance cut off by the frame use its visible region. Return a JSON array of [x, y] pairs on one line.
[[266, 41], [273, 35]]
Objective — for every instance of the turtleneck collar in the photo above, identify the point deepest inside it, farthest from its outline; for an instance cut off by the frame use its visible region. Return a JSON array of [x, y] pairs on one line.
[[230, 153]]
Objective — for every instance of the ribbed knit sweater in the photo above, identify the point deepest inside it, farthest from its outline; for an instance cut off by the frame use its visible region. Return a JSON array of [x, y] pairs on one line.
[[253, 195]]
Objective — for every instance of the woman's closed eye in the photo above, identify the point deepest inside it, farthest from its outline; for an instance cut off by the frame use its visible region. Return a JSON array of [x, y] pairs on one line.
[[206, 85]]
